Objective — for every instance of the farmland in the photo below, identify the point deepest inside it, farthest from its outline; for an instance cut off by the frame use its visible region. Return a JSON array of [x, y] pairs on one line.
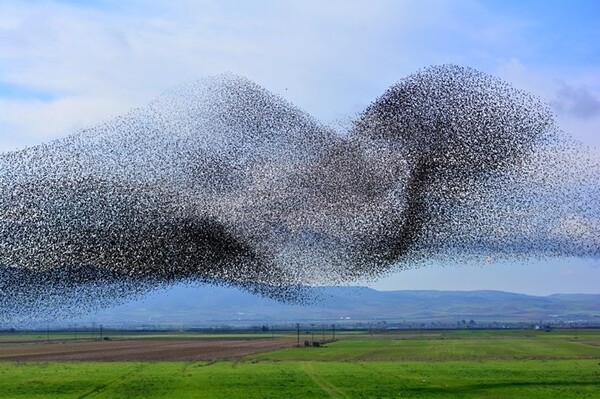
[[431, 364]]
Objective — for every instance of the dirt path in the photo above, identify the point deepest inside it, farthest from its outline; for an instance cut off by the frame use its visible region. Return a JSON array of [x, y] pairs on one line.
[[327, 387], [141, 350], [101, 388]]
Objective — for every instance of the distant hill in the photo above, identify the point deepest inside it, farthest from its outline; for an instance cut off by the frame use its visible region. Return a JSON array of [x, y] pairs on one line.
[[213, 306]]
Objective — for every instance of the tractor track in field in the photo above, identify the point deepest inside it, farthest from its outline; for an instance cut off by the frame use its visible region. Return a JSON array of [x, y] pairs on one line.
[[327, 387], [99, 389]]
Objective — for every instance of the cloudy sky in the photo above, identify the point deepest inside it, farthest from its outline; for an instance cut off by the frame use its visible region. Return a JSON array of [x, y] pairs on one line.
[[70, 64]]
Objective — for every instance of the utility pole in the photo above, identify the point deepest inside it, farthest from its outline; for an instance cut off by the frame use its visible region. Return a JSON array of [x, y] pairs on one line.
[[298, 330]]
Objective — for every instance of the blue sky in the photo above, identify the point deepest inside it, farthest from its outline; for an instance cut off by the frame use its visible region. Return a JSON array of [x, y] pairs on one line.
[[65, 65]]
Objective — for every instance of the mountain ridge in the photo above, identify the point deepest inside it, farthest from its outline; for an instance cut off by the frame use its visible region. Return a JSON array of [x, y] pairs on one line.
[[215, 305]]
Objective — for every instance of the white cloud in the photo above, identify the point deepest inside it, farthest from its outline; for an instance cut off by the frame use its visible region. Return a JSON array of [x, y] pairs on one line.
[[577, 101], [573, 98], [31, 122], [330, 58], [89, 56]]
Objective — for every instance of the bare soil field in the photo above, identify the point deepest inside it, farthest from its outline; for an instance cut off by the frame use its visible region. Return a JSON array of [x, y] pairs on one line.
[[141, 350]]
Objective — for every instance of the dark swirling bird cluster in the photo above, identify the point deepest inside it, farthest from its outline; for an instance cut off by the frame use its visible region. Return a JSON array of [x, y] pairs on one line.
[[220, 181]]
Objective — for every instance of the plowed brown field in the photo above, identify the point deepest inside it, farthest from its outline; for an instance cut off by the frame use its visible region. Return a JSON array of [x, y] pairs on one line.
[[141, 350]]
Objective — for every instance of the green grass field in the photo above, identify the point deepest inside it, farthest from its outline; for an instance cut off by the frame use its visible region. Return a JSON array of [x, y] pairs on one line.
[[459, 364], [446, 349]]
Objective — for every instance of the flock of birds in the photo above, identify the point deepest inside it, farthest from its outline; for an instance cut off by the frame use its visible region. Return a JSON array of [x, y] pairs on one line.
[[222, 182]]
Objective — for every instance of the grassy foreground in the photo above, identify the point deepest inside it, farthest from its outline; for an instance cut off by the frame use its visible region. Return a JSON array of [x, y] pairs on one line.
[[391, 366], [499, 379]]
